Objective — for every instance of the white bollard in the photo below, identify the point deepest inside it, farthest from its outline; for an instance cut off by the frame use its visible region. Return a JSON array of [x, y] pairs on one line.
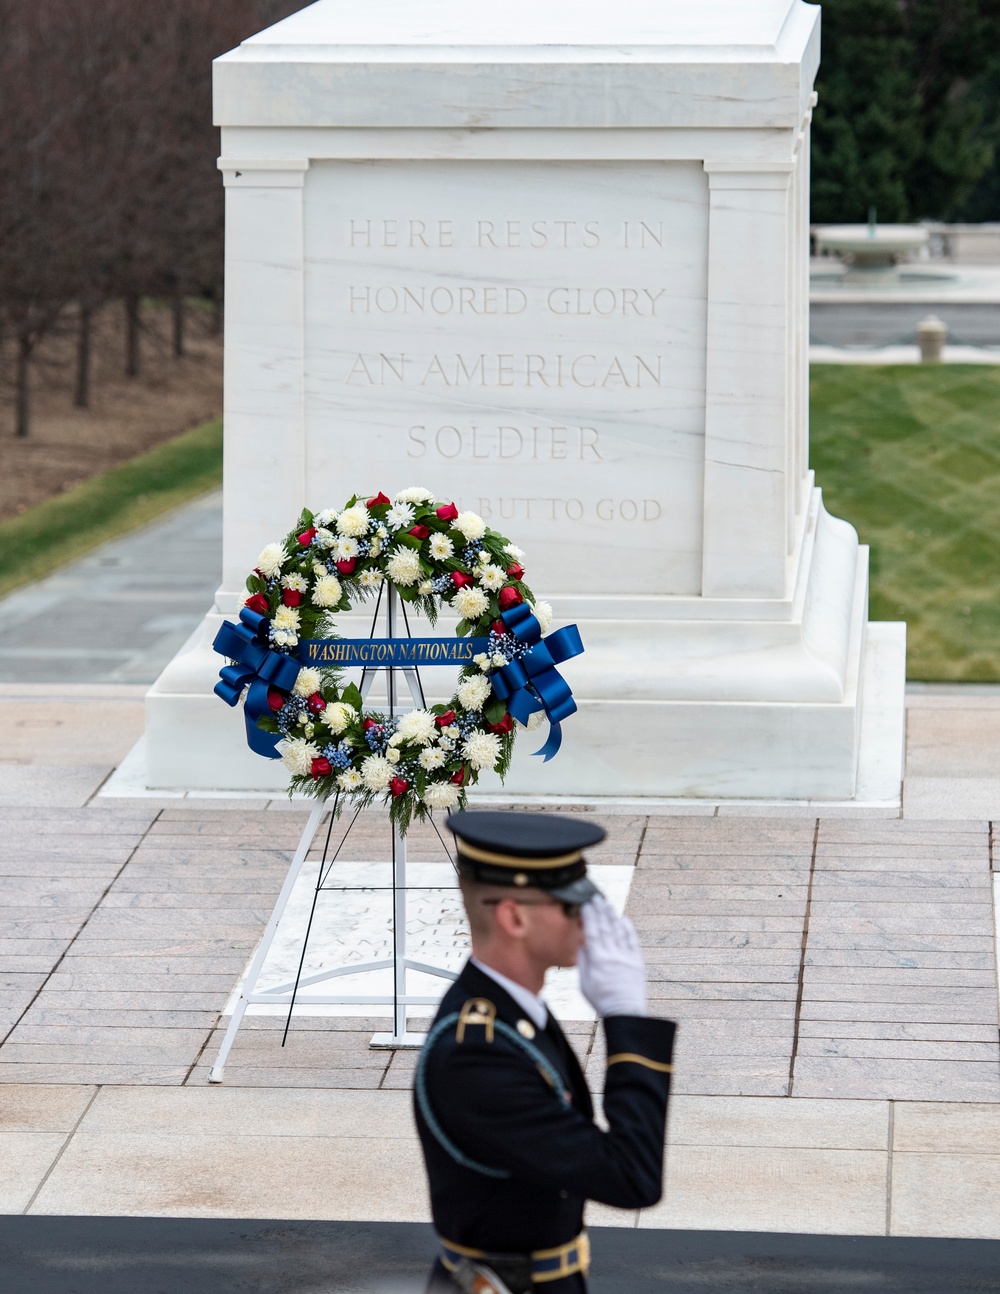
[[931, 336]]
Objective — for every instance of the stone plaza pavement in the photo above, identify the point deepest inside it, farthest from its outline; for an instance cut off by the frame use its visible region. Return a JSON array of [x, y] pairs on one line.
[[834, 976]]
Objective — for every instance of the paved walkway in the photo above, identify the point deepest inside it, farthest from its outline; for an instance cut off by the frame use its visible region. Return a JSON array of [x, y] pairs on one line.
[[835, 981]]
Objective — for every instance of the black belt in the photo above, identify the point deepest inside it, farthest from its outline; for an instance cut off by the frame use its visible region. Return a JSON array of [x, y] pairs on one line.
[[546, 1264]]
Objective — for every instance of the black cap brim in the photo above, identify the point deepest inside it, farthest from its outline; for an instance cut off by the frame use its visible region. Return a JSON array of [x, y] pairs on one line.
[[578, 891]]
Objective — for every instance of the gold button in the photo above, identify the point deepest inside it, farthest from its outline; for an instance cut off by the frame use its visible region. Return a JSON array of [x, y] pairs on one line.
[[521, 878], [526, 1029]]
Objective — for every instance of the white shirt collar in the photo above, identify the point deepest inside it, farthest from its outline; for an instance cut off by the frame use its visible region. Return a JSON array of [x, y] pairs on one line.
[[532, 1005]]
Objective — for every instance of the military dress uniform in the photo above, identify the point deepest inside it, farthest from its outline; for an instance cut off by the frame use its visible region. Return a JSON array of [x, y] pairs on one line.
[[502, 1107]]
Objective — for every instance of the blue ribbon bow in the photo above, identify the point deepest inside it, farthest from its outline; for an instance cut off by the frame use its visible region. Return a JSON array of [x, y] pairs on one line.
[[258, 665], [533, 683]]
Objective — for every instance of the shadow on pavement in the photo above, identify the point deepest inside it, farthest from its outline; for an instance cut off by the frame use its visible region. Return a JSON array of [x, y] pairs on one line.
[[68, 1255]]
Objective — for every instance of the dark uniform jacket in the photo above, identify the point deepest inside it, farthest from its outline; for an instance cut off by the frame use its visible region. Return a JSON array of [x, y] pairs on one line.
[[491, 1105]]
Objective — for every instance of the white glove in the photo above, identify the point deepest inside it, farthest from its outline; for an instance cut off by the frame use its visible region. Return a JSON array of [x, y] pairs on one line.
[[612, 972]]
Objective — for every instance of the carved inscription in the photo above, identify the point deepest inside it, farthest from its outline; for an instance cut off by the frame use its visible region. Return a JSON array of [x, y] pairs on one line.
[[420, 292]]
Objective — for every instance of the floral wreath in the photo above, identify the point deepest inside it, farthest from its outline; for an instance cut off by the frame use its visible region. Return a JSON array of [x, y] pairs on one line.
[[435, 557]]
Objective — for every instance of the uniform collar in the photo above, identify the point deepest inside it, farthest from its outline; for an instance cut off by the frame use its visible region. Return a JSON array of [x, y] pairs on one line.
[[532, 1005]]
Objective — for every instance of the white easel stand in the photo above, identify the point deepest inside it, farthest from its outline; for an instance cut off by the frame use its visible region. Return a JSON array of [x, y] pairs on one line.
[[284, 994]]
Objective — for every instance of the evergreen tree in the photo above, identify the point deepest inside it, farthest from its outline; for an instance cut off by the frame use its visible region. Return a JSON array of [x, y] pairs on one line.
[[902, 123]]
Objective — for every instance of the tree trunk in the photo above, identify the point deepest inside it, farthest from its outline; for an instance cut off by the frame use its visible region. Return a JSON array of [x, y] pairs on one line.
[[217, 311], [81, 394], [132, 325], [23, 400], [177, 306]]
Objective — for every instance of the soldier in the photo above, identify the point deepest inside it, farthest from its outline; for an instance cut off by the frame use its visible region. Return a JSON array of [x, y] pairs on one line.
[[502, 1107]]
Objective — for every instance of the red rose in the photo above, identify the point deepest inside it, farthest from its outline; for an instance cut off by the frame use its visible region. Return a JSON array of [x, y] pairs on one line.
[[459, 579], [379, 501], [291, 597], [447, 512], [369, 724], [275, 699], [399, 786], [307, 536], [347, 567], [316, 703], [499, 627], [515, 571], [505, 725], [258, 603], [509, 597], [419, 532], [445, 720], [459, 777], [320, 767]]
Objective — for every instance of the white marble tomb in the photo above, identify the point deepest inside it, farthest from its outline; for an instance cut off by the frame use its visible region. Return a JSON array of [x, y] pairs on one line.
[[550, 259]]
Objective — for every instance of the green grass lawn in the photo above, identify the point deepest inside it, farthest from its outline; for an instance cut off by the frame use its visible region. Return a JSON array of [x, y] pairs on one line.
[[70, 524], [910, 455]]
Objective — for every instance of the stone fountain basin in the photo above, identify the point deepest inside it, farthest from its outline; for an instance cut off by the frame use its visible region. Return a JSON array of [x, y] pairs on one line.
[[880, 245]]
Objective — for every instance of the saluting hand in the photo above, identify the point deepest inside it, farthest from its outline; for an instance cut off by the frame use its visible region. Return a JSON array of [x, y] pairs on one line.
[[612, 972]]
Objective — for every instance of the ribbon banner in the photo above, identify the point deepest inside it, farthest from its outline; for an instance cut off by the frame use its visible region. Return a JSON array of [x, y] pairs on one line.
[[529, 685], [257, 664], [383, 653], [533, 683]]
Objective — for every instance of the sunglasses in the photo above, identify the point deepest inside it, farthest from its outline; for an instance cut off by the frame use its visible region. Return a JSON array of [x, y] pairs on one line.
[[570, 910]]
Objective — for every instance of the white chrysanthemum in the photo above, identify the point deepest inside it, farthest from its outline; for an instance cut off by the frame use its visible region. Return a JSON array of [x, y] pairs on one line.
[[345, 549], [481, 749], [354, 521], [370, 579], [403, 567], [308, 682], [414, 494], [325, 538], [441, 547], [512, 550], [543, 614], [350, 780], [432, 757], [271, 560], [441, 795], [400, 516], [492, 578], [338, 715], [470, 603], [418, 726], [471, 525], [327, 592], [294, 581], [472, 692], [325, 517], [376, 771], [286, 618], [284, 638], [297, 755], [392, 754], [425, 589]]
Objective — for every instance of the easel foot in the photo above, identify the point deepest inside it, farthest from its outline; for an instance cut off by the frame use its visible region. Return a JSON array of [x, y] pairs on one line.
[[403, 1041]]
